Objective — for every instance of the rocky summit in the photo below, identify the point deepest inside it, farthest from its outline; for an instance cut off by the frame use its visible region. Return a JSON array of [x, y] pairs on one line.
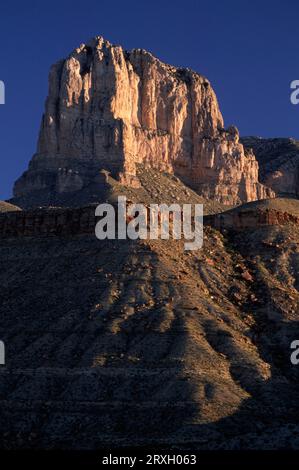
[[111, 109]]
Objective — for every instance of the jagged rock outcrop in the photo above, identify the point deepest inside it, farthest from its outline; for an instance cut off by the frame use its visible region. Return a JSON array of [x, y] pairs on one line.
[[109, 108], [279, 163]]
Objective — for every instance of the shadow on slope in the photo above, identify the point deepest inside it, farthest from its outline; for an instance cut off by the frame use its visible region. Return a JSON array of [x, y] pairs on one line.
[[132, 343]]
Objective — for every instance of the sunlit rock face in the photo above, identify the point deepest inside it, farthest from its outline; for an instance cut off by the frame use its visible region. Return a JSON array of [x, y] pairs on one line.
[[109, 108]]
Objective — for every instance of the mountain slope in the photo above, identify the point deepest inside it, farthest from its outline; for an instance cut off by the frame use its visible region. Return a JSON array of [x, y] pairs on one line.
[[6, 207], [155, 187], [123, 343]]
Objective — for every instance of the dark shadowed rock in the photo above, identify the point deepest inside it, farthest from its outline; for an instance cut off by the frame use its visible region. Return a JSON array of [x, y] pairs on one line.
[[279, 163]]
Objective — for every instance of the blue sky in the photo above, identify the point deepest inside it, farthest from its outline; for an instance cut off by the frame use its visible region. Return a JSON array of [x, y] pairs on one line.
[[247, 49]]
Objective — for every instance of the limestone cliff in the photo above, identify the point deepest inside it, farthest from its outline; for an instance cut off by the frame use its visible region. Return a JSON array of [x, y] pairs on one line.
[[112, 109]]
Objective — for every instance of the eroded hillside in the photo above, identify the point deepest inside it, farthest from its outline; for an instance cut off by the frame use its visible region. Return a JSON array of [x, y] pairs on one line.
[[129, 342]]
